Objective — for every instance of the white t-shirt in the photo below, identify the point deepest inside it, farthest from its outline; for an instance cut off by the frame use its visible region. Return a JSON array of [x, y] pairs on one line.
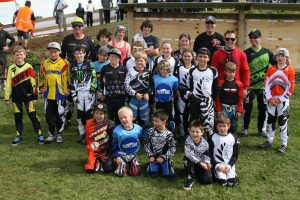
[[89, 7], [60, 4]]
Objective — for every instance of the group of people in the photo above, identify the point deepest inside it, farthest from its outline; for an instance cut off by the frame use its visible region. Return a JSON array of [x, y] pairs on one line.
[[131, 95]]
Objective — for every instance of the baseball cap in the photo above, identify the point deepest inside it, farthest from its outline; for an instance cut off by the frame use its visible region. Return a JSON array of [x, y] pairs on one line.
[[103, 50], [282, 51], [101, 107], [255, 33], [77, 20], [54, 45], [120, 27], [115, 51], [210, 19]]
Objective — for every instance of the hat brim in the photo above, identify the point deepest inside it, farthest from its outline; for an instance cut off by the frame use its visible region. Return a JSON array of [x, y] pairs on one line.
[[109, 53], [48, 48]]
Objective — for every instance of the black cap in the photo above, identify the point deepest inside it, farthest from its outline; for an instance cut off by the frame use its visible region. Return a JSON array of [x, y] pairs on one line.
[[101, 107], [210, 19], [203, 51], [255, 33]]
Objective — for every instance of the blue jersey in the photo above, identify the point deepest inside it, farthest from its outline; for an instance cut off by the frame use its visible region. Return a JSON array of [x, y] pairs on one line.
[[164, 87], [98, 65], [126, 141]]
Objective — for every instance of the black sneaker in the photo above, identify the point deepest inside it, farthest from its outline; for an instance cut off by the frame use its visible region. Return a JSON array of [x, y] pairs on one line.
[[282, 149], [188, 184], [17, 140], [266, 145]]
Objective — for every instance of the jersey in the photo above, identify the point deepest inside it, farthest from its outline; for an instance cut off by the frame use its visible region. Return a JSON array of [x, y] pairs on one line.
[[160, 144], [259, 62], [53, 78], [164, 87], [280, 83], [174, 62], [137, 82], [20, 83], [197, 152], [182, 73], [204, 83], [126, 142]]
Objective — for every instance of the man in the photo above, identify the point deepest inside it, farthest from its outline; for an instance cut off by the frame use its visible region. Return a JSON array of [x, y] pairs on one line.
[[259, 59], [4, 47], [209, 39], [58, 13], [229, 53], [25, 22], [80, 11]]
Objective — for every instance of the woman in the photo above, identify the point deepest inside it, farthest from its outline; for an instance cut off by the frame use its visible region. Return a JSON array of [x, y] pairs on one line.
[[184, 44]]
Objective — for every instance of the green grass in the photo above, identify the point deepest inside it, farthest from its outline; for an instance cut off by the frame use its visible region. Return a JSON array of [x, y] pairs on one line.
[[32, 171]]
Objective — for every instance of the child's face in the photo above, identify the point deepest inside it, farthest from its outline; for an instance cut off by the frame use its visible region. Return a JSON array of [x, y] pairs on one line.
[[102, 57], [164, 72], [187, 57], [158, 123], [126, 119], [140, 63], [79, 55], [121, 34], [20, 56], [99, 116], [114, 59], [196, 133], [184, 43], [53, 53], [202, 59], [229, 74], [281, 59], [223, 128], [167, 49], [103, 40]]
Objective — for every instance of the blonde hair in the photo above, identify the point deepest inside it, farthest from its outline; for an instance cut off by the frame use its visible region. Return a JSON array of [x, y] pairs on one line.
[[18, 49], [125, 109], [142, 55], [230, 66], [164, 64]]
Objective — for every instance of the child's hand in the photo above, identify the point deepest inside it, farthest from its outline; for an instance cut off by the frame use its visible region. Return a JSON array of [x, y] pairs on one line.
[[220, 168], [67, 92], [160, 160], [151, 159], [203, 165], [273, 102], [118, 160], [238, 115], [7, 102], [138, 96], [146, 97], [35, 102], [226, 169]]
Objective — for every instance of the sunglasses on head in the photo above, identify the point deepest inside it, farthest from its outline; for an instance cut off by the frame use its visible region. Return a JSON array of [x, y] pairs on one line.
[[77, 25], [253, 37], [228, 39]]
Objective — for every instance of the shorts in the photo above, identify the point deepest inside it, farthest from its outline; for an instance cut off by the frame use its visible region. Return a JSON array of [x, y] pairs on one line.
[[25, 35], [59, 17]]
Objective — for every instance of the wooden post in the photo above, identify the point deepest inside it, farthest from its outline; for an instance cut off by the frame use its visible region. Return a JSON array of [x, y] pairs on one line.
[[101, 16], [130, 21], [242, 29]]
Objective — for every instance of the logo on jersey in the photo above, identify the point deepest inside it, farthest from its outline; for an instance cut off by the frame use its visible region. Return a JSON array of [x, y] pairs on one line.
[[130, 145]]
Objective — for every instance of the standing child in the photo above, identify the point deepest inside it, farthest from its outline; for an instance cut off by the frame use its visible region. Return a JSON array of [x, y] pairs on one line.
[[126, 144], [204, 88], [230, 99], [196, 157], [98, 141], [21, 87], [137, 85], [53, 83], [279, 86], [160, 146], [224, 150], [129, 62], [83, 86]]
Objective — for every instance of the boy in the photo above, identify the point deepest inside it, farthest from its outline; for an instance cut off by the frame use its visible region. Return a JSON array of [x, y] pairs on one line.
[[112, 91], [279, 86], [230, 99], [196, 157], [83, 86], [21, 87], [204, 88], [98, 141], [224, 150], [160, 146], [137, 86], [129, 62], [126, 144], [53, 83]]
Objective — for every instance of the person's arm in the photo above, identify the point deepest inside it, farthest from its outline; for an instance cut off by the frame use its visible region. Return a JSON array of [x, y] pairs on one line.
[[240, 97], [33, 82], [189, 152], [115, 143], [245, 71], [171, 142], [14, 18], [234, 156], [272, 60], [41, 78], [8, 86], [65, 5], [218, 99], [65, 74], [148, 144], [130, 91], [267, 85], [94, 78], [215, 85], [128, 50], [63, 53], [11, 38]]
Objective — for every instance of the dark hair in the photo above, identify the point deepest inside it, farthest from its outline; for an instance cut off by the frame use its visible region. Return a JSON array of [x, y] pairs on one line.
[[222, 119], [197, 124], [229, 32], [28, 3], [79, 48], [203, 51], [161, 114], [188, 50], [147, 24], [104, 32]]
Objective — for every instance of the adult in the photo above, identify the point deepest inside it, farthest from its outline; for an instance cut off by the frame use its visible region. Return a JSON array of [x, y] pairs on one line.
[[58, 13], [259, 59], [119, 43], [184, 44], [89, 13], [80, 11], [210, 38], [107, 5], [25, 22], [151, 45], [4, 47], [230, 53], [103, 36]]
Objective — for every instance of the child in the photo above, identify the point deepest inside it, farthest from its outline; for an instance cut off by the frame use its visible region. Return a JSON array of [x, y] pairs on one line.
[[196, 157], [137, 85], [165, 87], [279, 86], [224, 150], [112, 90], [21, 87], [98, 141], [230, 99], [126, 144], [204, 88], [182, 73], [53, 83], [129, 62], [83, 86], [160, 146]]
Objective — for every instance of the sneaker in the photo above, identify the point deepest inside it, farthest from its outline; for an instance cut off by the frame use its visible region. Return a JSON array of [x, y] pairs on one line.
[[230, 184], [188, 184], [59, 138], [282, 149], [245, 133], [262, 134], [81, 139], [17, 140], [265, 145], [50, 139], [40, 139]]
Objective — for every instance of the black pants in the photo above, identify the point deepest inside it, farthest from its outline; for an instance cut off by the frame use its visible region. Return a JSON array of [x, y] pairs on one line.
[[195, 171], [18, 113], [89, 18], [55, 118], [106, 16], [114, 104]]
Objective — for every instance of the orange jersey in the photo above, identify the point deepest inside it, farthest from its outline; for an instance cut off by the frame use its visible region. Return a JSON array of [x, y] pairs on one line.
[[279, 83]]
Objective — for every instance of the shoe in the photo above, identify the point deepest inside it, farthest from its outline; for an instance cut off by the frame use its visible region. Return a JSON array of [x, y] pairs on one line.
[[17, 140], [230, 184], [59, 138], [262, 134], [282, 149], [266, 145], [50, 139], [81, 139], [188, 184], [40, 139], [245, 133]]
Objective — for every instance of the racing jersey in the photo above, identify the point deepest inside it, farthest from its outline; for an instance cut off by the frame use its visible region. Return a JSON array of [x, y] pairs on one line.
[[174, 62], [182, 73], [137, 81], [197, 152], [164, 87]]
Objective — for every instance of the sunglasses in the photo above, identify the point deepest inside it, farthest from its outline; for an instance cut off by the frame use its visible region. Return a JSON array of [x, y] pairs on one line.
[[252, 37], [138, 48], [228, 39], [77, 25]]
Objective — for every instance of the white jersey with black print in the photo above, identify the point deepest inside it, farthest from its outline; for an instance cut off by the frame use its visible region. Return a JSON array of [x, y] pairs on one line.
[[182, 73], [174, 62], [196, 152], [137, 81], [160, 143]]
